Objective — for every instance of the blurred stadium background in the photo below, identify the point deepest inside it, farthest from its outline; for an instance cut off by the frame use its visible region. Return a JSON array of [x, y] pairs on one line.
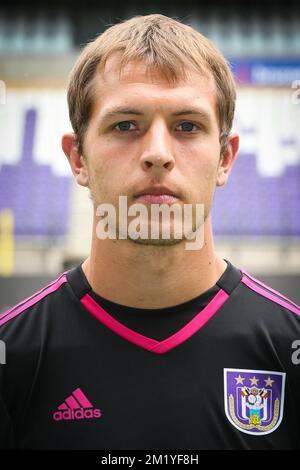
[[45, 217]]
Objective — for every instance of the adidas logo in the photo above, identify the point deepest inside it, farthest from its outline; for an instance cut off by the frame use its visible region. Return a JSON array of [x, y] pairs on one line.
[[76, 406]]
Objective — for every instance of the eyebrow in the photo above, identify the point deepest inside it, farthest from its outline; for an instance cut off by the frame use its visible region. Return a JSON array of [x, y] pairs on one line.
[[122, 110]]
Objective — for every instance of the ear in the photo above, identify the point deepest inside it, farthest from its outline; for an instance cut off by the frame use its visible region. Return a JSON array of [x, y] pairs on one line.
[[76, 160], [227, 160]]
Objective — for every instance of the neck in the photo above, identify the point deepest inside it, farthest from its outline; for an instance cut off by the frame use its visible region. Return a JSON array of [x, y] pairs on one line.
[[152, 276]]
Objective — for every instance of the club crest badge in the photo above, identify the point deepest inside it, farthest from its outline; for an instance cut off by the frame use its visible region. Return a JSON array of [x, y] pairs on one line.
[[254, 399]]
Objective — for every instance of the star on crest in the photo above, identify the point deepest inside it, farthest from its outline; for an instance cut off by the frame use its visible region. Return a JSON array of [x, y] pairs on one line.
[[269, 381], [239, 379], [254, 380]]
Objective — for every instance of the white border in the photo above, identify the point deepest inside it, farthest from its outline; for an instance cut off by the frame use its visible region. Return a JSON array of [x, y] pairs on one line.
[[283, 374]]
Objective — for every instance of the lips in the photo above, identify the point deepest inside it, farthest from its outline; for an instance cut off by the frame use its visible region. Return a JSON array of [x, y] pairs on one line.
[[157, 195], [156, 191]]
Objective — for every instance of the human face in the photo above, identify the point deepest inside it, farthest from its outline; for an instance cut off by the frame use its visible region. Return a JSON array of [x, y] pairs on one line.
[[164, 135]]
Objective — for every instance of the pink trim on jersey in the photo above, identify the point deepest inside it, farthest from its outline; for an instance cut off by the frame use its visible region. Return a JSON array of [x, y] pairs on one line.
[[152, 345], [80, 396], [269, 288], [268, 295], [4, 314], [33, 300]]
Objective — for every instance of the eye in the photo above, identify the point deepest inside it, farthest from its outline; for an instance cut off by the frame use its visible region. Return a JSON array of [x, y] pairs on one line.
[[124, 126], [188, 126]]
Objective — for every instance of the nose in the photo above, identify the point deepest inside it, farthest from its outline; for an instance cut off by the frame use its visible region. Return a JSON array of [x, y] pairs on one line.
[[157, 155]]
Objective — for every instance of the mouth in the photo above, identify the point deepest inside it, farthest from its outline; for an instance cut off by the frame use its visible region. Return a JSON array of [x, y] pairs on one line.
[[156, 195]]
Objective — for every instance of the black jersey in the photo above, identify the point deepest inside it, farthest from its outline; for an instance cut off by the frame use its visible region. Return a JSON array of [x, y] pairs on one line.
[[216, 372]]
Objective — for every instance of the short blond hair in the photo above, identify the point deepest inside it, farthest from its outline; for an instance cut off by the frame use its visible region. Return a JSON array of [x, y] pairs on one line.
[[164, 44]]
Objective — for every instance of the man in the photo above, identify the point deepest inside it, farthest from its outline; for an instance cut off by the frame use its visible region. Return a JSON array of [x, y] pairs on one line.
[[150, 343]]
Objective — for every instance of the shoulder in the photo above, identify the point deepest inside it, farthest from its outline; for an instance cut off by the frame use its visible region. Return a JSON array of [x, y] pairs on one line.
[[267, 310], [27, 309], [273, 298]]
